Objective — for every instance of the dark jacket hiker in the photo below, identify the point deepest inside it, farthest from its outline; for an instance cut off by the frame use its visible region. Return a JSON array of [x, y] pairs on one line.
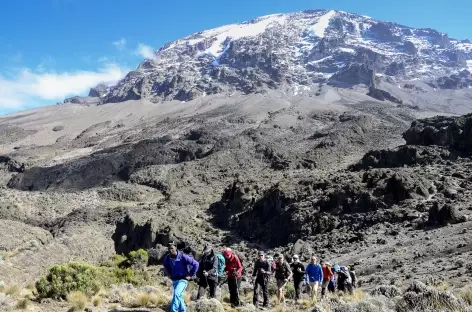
[[298, 271], [262, 272], [207, 272]]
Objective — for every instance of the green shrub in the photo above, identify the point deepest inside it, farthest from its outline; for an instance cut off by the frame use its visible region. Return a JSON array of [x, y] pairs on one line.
[[138, 258], [66, 278]]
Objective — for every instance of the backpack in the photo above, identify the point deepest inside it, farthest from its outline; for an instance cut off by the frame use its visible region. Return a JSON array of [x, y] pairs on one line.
[[221, 265], [282, 271], [345, 271]]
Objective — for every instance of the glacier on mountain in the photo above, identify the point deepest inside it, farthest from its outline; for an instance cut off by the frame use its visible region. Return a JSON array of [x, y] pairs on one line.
[[320, 27], [302, 48]]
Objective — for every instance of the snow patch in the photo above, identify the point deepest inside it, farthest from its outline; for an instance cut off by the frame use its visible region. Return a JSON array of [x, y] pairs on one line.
[[469, 65], [347, 50], [223, 36], [319, 28], [320, 60], [237, 31]]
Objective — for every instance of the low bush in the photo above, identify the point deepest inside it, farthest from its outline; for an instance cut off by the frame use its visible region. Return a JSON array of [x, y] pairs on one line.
[[419, 297], [66, 278], [138, 258], [388, 291]]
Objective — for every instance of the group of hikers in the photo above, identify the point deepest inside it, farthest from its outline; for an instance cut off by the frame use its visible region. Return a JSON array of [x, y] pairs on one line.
[[215, 269]]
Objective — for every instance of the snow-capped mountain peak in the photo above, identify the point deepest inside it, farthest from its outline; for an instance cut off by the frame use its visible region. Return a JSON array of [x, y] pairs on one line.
[[297, 49]]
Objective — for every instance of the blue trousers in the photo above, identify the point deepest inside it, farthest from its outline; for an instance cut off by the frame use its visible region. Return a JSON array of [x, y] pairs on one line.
[[178, 302]]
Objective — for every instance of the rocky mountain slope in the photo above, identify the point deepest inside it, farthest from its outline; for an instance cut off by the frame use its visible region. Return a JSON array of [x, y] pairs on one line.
[[306, 141], [297, 52]]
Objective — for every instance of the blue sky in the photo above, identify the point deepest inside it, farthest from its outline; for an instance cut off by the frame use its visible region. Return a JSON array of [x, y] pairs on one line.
[[51, 49]]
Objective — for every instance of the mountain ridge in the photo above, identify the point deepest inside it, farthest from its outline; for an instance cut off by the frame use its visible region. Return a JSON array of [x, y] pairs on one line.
[[298, 50]]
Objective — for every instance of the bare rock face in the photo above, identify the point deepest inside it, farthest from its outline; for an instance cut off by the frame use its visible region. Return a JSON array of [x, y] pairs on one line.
[[407, 155], [98, 91], [354, 74], [444, 215], [383, 95], [153, 236], [11, 165], [281, 214], [450, 132], [129, 236]]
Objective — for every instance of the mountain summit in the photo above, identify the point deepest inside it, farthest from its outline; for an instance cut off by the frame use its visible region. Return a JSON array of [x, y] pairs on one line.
[[299, 51]]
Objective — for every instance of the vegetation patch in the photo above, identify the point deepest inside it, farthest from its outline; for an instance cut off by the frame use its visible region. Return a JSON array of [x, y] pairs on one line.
[[75, 276]]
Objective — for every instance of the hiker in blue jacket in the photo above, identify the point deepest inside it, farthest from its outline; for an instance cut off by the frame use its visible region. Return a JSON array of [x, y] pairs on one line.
[[314, 276], [180, 268]]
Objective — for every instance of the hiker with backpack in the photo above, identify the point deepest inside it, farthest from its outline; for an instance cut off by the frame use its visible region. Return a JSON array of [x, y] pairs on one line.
[[283, 274], [262, 272], [333, 282], [314, 276], [181, 269], [207, 272], [327, 277], [344, 281], [298, 270], [233, 269]]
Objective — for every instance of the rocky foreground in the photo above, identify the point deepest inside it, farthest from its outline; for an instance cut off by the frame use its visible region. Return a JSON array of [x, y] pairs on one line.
[[317, 185]]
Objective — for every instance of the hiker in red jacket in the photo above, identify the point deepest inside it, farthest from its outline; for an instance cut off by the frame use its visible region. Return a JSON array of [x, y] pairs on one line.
[[234, 270]]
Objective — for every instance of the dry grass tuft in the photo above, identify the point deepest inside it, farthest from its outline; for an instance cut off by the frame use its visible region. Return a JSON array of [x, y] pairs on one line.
[[444, 286], [358, 295], [97, 301], [23, 304], [159, 299], [78, 300], [31, 287], [305, 304], [466, 294], [12, 290], [142, 300]]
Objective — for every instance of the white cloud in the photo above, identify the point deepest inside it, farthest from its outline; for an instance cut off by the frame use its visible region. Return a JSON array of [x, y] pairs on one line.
[[120, 44], [146, 51], [28, 87]]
